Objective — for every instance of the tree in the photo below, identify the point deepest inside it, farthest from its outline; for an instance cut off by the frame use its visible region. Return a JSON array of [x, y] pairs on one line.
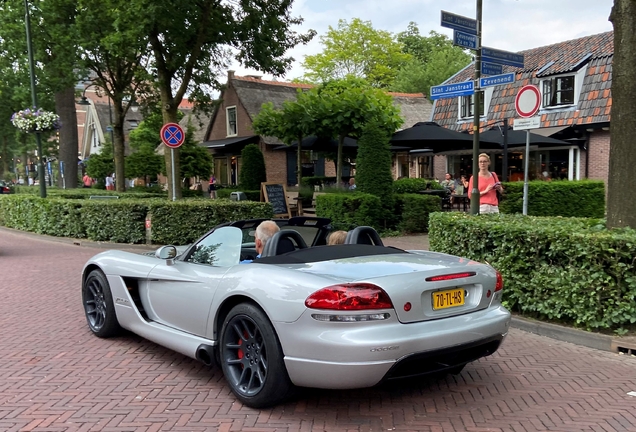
[[373, 163], [621, 209], [195, 161], [359, 50], [434, 60], [191, 41], [253, 170], [101, 165], [112, 47], [291, 123], [342, 108]]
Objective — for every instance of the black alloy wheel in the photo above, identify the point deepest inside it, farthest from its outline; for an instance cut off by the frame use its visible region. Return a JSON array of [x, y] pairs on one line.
[[252, 359], [98, 305]]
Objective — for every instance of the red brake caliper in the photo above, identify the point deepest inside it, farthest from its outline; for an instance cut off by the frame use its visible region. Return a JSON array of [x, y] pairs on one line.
[[240, 342]]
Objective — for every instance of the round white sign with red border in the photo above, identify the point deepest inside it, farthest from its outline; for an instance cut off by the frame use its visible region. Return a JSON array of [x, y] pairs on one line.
[[528, 101], [172, 135]]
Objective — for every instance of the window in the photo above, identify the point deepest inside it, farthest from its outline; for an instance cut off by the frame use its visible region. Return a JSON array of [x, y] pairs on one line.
[[231, 121], [558, 91], [467, 107]]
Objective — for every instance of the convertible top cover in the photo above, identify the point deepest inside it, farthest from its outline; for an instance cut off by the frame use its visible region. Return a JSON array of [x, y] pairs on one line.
[[327, 253]]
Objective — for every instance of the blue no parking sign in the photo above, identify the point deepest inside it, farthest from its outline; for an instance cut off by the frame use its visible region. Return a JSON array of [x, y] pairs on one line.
[[172, 135]]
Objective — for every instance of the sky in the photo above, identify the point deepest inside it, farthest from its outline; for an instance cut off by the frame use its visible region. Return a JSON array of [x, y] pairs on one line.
[[510, 25]]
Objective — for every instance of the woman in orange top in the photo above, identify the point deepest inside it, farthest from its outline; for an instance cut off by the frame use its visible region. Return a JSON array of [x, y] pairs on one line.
[[488, 185]]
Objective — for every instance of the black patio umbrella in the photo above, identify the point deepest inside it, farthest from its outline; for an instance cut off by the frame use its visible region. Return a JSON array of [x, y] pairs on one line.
[[430, 135], [517, 138]]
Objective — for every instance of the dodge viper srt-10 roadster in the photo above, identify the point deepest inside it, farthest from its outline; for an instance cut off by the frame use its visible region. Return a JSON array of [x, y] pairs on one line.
[[303, 314]]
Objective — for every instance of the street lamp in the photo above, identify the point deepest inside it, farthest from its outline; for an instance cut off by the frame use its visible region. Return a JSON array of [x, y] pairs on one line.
[[34, 99]]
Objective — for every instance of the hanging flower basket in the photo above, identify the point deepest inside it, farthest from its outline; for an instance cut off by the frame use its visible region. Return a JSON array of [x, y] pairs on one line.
[[35, 120]]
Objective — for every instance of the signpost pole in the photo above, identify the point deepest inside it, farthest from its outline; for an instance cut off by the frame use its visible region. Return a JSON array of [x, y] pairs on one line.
[[174, 190], [525, 174], [474, 194]]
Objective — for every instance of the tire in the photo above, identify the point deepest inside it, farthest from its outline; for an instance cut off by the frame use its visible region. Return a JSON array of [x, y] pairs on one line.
[[98, 305], [252, 359]]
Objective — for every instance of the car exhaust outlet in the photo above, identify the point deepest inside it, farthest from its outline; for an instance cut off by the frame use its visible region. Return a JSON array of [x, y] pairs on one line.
[[205, 354]]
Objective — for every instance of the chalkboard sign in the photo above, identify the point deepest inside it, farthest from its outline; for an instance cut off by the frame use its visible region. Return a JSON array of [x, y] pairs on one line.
[[276, 195]]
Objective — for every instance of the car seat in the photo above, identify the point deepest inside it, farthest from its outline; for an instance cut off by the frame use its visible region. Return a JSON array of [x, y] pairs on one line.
[[283, 242], [364, 235]]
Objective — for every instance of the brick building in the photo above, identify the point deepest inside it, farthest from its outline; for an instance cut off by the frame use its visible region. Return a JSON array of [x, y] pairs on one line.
[[229, 130], [574, 78]]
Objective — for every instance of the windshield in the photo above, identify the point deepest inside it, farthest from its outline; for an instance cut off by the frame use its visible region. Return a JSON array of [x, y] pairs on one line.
[[221, 248]]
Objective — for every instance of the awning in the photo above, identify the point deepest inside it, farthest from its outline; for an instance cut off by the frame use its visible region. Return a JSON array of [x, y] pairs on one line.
[[549, 131], [225, 142]]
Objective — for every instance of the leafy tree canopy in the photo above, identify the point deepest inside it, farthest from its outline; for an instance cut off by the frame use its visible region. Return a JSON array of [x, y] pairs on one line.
[[357, 49], [434, 60], [342, 108]]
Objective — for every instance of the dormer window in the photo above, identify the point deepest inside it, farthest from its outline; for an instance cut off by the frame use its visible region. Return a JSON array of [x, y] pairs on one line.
[[558, 91], [231, 121], [467, 106]]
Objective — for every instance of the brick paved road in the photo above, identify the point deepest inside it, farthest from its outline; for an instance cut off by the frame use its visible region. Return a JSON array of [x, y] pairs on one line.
[[55, 376]]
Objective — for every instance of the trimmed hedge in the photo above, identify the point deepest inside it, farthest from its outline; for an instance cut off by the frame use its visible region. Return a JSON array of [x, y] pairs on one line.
[[349, 210], [415, 211], [568, 269], [583, 198], [123, 221]]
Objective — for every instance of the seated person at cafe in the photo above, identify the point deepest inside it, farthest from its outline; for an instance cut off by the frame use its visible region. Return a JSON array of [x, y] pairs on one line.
[[448, 182], [264, 232], [461, 189]]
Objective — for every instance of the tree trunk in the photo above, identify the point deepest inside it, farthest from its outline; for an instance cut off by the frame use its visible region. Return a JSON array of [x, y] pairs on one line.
[[118, 146], [621, 208], [65, 107], [299, 170], [339, 162]]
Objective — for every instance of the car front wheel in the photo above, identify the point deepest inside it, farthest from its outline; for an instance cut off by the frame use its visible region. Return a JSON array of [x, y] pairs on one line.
[[98, 305], [252, 359]]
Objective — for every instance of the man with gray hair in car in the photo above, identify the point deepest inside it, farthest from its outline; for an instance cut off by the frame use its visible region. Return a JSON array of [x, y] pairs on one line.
[[264, 231]]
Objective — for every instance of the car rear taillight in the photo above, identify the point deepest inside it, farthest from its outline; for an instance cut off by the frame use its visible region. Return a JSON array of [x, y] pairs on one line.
[[4, 189], [499, 284], [450, 276], [353, 296]]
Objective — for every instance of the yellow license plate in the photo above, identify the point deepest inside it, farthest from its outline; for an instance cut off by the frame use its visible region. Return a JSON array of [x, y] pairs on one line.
[[448, 298]]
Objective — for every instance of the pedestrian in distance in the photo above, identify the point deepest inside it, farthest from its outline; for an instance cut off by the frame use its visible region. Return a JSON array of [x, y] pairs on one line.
[[489, 185]]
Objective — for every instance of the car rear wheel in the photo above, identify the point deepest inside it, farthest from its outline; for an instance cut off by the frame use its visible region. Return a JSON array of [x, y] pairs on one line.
[[252, 359], [98, 305]]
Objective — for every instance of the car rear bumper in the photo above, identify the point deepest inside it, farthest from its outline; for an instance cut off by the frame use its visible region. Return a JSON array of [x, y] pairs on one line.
[[356, 355]]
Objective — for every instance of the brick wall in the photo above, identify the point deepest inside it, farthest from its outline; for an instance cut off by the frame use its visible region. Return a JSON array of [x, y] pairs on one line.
[[598, 152], [439, 167], [275, 163], [243, 121]]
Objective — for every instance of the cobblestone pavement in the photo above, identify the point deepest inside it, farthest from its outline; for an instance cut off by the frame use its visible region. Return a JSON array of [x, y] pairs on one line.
[[56, 376]]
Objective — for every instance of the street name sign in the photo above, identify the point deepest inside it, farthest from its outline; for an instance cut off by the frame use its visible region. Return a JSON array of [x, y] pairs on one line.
[[492, 55], [464, 40], [496, 80], [172, 135], [491, 68], [528, 101], [465, 88], [527, 123], [458, 22]]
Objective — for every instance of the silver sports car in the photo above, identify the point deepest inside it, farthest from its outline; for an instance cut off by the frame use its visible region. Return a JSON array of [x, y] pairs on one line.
[[303, 314]]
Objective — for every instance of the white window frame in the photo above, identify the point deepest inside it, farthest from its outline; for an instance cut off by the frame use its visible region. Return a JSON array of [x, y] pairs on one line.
[[231, 133], [579, 76], [488, 92]]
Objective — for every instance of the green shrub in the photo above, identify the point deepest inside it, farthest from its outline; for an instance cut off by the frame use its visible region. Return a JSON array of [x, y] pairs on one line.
[[349, 210], [415, 210], [568, 269], [114, 220], [253, 169], [584, 198], [317, 181]]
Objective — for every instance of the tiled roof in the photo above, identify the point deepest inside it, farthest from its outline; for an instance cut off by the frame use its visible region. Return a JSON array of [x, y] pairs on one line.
[[253, 92], [593, 52]]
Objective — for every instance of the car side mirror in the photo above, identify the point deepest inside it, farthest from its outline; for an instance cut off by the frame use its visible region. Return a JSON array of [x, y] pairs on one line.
[[167, 253]]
